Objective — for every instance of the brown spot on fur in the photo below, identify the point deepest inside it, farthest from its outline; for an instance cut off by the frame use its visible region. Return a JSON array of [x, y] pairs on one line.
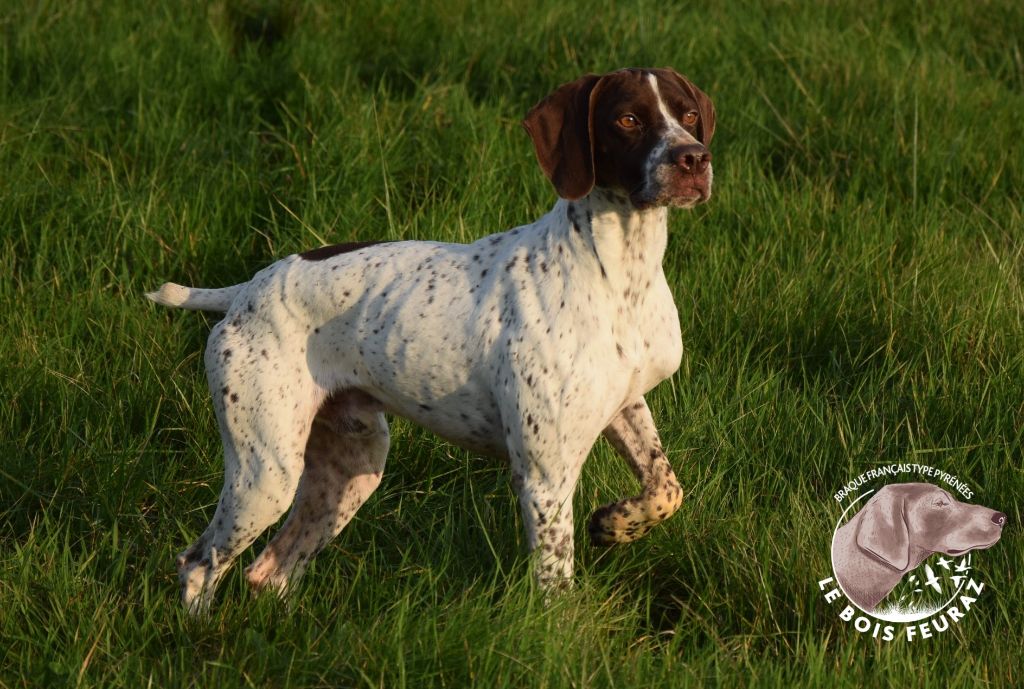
[[325, 252]]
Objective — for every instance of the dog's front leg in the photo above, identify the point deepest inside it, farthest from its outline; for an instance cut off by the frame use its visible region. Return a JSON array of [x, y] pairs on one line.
[[633, 435], [544, 476]]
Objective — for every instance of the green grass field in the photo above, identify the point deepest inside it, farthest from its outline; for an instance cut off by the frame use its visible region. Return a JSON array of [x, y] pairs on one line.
[[850, 297]]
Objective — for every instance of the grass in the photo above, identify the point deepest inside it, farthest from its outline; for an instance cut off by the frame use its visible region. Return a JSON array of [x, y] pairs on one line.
[[851, 296]]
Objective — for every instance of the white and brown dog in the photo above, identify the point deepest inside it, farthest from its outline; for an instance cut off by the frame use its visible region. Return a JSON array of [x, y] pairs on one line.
[[527, 345]]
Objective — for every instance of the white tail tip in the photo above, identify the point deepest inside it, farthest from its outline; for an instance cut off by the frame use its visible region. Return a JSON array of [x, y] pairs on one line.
[[170, 294], [195, 298]]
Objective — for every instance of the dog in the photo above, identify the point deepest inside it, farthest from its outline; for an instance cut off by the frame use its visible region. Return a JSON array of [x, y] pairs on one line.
[[900, 526], [527, 345]]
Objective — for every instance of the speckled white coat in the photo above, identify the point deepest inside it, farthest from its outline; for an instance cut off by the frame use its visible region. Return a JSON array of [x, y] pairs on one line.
[[527, 344]]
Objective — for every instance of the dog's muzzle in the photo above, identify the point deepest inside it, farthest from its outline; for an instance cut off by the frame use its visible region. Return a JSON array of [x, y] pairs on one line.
[[682, 178], [691, 182]]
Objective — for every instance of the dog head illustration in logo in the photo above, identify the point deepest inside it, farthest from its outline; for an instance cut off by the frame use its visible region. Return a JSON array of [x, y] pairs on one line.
[[900, 526]]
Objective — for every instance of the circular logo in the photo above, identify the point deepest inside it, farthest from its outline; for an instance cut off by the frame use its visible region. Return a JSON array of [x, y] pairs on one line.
[[902, 553]]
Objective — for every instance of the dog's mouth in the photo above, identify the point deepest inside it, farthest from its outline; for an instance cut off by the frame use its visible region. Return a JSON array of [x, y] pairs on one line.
[[673, 189], [689, 195], [980, 546]]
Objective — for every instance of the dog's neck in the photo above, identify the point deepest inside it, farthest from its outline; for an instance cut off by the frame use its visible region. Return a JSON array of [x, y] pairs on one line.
[[866, 577], [916, 557], [627, 243]]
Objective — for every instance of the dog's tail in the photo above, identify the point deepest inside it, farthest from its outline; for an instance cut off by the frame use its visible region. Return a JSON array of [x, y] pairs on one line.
[[195, 298]]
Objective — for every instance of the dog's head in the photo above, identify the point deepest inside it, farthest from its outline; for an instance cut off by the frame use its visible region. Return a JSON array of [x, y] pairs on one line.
[[643, 132], [904, 518]]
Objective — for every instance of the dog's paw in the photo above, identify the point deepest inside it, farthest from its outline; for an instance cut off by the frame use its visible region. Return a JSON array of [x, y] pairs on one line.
[[618, 522]]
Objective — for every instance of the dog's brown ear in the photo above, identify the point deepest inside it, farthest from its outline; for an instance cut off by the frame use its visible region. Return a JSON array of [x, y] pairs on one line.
[[560, 129], [883, 530], [706, 109]]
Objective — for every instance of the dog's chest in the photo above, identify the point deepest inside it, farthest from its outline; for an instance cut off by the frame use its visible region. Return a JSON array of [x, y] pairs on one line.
[[651, 339]]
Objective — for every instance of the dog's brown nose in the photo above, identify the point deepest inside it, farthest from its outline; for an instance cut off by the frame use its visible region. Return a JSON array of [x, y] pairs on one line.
[[999, 518], [690, 157]]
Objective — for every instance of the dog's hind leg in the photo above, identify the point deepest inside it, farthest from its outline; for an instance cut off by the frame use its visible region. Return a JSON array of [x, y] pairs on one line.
[[344, 460], [265, 417], [633, 435]]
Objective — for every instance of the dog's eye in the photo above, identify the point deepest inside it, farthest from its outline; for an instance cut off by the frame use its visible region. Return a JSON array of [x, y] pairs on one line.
[[940, 502], [628, 121], [690, 118]]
